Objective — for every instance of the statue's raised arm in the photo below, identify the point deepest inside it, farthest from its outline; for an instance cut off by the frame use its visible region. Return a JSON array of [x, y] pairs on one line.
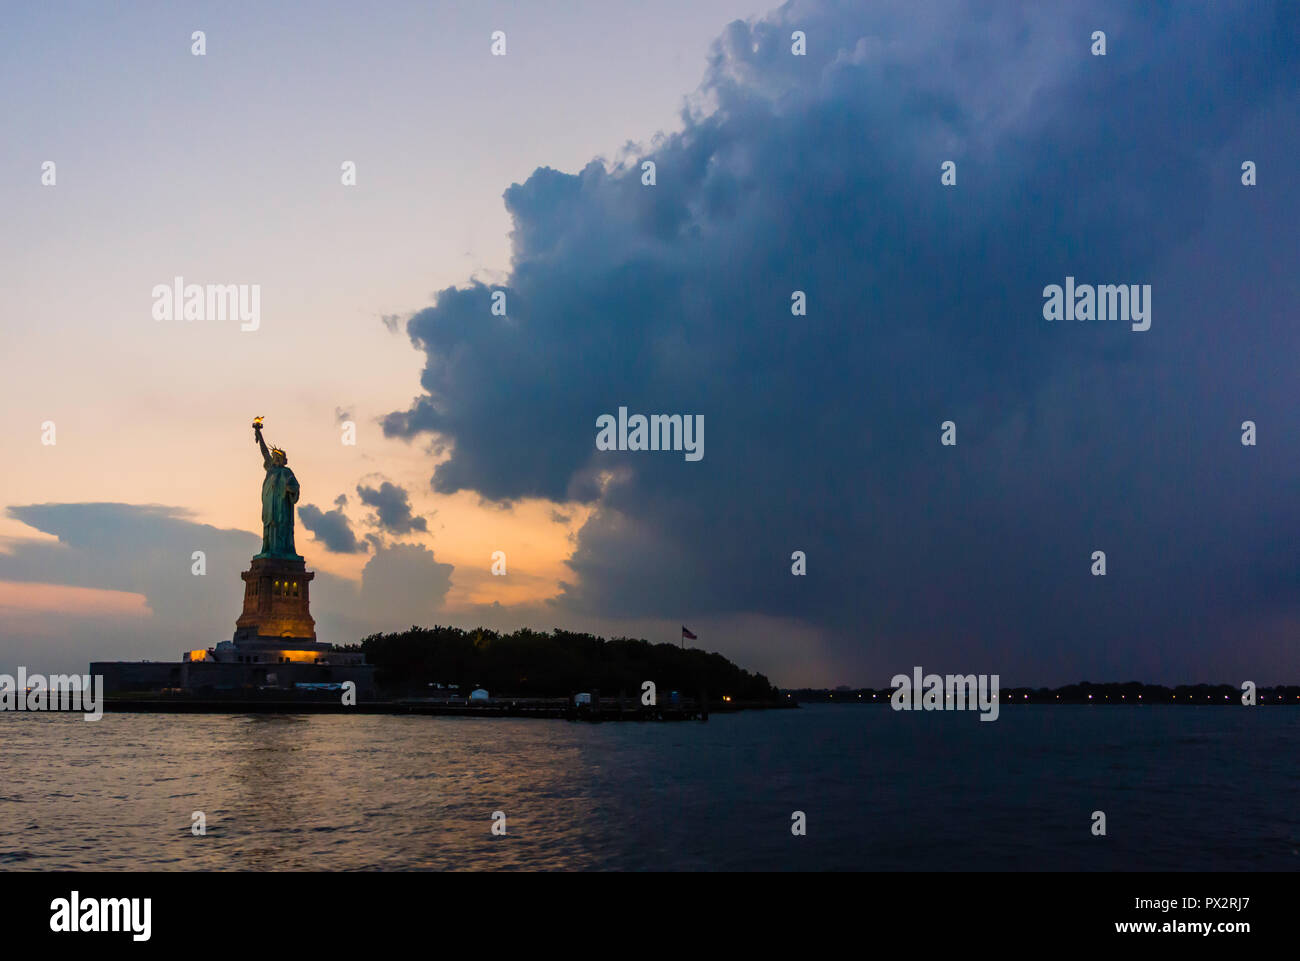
[[257, 432]]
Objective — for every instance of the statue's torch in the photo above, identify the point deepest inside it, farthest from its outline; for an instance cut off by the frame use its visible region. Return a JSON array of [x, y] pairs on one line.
[[257, 427]]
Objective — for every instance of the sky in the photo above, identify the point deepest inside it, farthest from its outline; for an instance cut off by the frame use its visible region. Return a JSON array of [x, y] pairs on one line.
[[773, 173]]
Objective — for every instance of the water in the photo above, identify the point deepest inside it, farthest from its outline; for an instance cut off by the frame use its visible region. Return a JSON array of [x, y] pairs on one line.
[[1182, 788]]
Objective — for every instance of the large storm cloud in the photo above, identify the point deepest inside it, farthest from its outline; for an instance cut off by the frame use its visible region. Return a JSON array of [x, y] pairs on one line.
[[821, 174]]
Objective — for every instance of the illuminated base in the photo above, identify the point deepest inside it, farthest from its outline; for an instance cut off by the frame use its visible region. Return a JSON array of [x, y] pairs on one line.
[[277, 601]]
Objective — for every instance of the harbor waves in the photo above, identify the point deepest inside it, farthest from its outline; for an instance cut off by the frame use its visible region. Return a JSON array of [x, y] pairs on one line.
[[1182, 788]]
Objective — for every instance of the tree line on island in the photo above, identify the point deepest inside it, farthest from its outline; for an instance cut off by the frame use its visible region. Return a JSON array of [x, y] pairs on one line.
[[528, 663]]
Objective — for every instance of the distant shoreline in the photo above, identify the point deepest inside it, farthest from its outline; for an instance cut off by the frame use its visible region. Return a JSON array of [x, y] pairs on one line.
[[630, 709], [1131, 692]]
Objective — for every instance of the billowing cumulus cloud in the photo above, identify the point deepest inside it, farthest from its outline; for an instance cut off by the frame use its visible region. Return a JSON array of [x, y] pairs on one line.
[[392, 508], [821, 174]]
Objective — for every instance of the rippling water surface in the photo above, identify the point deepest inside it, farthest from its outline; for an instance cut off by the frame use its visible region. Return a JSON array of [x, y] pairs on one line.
[[1182, 788]]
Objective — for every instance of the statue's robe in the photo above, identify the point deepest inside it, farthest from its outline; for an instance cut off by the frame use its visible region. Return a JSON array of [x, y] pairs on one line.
[[279, 494]]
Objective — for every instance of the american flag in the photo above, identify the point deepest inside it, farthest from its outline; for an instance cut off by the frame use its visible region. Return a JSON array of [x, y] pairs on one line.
[[687, 635]]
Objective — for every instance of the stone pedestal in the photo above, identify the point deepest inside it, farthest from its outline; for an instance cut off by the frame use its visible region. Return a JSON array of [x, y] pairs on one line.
[[276, 601]]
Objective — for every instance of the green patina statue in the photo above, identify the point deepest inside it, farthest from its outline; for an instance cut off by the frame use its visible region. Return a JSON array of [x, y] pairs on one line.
[[279, 494]]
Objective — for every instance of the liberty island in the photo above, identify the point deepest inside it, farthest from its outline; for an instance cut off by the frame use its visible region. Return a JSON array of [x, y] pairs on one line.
[[273, 662]]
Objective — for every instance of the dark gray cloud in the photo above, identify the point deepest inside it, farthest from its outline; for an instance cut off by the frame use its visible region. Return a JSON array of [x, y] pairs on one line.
[[332, 529], [392, 508], [821, 174]]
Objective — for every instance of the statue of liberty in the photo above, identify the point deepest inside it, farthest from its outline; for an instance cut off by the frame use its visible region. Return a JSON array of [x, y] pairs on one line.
[[279, 494]]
